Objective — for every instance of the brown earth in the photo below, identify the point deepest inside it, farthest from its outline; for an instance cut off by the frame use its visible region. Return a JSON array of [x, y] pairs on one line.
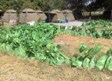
[[70, 44], [13, 68], [16, 69]]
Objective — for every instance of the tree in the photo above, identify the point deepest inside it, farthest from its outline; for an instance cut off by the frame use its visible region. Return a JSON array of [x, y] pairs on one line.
[[35, 4], [108, 4], [5, 4], [52, 4]]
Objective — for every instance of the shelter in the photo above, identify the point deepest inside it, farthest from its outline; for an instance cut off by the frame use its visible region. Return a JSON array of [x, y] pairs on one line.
[[68, 14], [55, 15], [28, 15], [41, 15], [10, 16]]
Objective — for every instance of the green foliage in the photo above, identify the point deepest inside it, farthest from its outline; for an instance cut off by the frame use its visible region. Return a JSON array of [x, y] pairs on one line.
[[87, 56], [92, 62], [36, 42], [93, 28], [86, 63], [77, 61], [83, 47], [109, 52], [33, 42], [89, 60], [89, 52], [100, 64], [34, 4], [110, 64], [108, 4]]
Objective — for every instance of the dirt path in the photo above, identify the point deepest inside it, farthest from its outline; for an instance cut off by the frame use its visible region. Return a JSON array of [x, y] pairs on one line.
[[16, 69]]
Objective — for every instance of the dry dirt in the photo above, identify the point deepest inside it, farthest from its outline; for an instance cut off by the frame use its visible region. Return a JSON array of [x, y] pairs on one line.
[[70, 44], [16, 69], [13, 68]]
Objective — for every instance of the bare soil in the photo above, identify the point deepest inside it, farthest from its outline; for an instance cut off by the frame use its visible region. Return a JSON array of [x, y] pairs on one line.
[[16, 69], [13, 68], [70, 44]]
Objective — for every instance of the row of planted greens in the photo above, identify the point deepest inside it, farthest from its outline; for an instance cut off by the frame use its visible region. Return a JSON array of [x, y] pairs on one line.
[[32, 42], [93, 28], [35, 42], [87, 58]]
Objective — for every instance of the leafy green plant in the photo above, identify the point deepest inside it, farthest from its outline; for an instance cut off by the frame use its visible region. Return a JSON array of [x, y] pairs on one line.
[[86, 63], [92, 62], [87, 58], [82, 48], [100, 64], [93, 28], [89, 52], [33, 42], [77, 61], [110, 64]]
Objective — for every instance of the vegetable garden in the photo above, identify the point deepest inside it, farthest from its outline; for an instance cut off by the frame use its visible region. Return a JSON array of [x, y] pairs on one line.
[[35, 42]]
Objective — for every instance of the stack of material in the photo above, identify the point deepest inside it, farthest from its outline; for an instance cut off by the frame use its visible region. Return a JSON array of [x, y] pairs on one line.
[[68, 14], [10, 16], [41, 15], [55, 15], [28, 15]]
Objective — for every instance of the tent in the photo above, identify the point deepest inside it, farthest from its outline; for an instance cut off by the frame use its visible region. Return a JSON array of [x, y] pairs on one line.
[[41, 15], [55, 15], [68, 14], [10, 16], [28, 15]]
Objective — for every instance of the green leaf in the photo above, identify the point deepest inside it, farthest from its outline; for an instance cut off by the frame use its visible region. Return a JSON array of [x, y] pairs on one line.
[[60, 60], [109, 52], [110, 65], [95, 50], [86, 63], [58, 46], [49, 46], [20, 51], [16, 40], [101, 62], [82, 48], [52, 61], [3, 47], [108, 61], [92, 62], [86, 52], [55, 50], [8, 48], [40, 56], [76, 62]]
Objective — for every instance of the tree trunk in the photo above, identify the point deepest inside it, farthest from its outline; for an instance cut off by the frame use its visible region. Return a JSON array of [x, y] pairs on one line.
[[90, 15], [111, 15]]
